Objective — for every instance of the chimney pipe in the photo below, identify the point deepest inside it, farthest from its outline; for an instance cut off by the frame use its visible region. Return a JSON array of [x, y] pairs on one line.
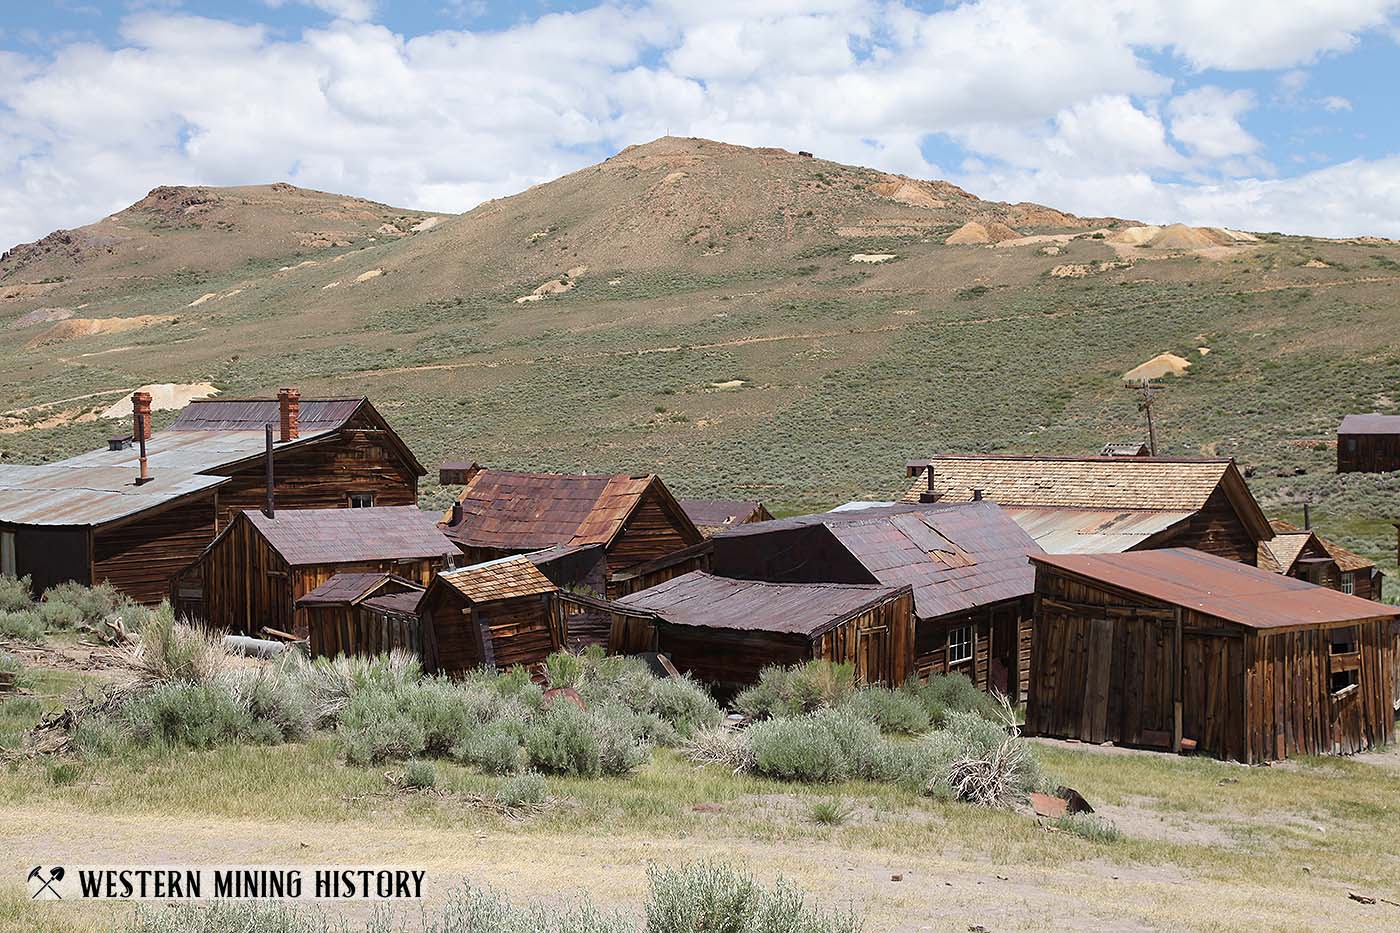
[[270, 509], [289, 407], [1307, 518], [929, 495], [976, 495], [143, 429], [140, 416], [456, 514]]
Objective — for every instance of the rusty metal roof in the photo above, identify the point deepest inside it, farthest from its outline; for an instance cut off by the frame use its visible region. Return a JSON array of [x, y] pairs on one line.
[[1214, 586], [231, 414], [505, 578], [702, 600], [1092, 531], [403, 604], [956, 556], [528, 511], [342, 536], [79, 495], [347, 589], [712, 515], [1370, 424]]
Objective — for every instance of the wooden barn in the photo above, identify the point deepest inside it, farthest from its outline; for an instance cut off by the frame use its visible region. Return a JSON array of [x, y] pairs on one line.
[[363, 614], [252, 575], [1302, 553], [724, 631], [712, 516], [141, 509], [1368, 444], [495, 614], [1177, 649], [502, 513], [1099, 505], [966, 563]]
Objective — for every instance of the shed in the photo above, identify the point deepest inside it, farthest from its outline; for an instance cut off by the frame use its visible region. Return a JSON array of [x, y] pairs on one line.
[[1368, 444], [724, 631], [253, 574], [580, 570], [363, 614], [712, 516], [966, 563], [1325, 562], [1172, 648], [494, 614]]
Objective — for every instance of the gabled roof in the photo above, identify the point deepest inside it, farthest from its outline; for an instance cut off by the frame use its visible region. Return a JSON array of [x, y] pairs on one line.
[[712, 515], [1093, 531], [349, 589], [956, 556], [505, 578], [342, 536], [1370, 424], [1175, 484], [232, 414], [702, 600], [1282, 551], [509, 510], [1347, 561], [1215, 586]]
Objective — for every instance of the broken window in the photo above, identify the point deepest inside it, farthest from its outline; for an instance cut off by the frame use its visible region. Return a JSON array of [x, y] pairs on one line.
[[959, 644], [1342, 681], [1343, 640]]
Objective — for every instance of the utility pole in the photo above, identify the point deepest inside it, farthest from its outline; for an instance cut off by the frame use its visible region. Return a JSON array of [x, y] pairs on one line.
[[1148, 395]]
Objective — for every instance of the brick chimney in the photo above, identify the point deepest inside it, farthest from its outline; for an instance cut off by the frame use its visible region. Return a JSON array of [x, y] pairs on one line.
[[289, 405], [141, 416]]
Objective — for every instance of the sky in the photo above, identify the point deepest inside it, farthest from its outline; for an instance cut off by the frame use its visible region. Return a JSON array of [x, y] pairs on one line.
[[1272, 115]]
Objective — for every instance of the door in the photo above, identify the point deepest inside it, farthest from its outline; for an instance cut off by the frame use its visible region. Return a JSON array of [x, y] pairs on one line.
[[873, 655]]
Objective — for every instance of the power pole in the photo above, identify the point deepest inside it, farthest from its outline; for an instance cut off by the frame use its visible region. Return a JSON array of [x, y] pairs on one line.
[[1147, 395]]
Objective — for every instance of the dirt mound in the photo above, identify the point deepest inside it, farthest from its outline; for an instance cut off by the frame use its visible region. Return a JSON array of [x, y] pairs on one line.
[[1180, 236], [1134, 236], [74, 328], [176, 202], [40, 316], [165, 396], [908, 191], [978, 232], [1163, 364]]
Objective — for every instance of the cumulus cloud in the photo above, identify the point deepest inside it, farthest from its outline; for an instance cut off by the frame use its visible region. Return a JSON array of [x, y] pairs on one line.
[[1077, 112]]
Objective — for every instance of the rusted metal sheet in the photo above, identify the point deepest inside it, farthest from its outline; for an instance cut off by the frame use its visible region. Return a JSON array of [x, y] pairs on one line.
[[341, 536], [1093, 531], [347, 589], [714, 515], [1214, 586], [222, 414], [67, 495], [702, 600]]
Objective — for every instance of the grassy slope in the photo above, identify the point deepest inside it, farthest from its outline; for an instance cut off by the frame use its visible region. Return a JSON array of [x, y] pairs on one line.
[[735, 271]]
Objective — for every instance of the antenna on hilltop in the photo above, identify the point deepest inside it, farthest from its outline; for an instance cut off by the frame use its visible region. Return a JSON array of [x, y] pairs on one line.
[[1147, 394]]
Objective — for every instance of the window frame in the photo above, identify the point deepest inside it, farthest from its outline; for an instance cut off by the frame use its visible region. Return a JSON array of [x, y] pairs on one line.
[[1349, 582], [351, 497], [970, 643], [9, 557]]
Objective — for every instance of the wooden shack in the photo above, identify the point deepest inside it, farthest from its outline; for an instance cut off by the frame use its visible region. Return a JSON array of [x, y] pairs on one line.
[[1368, 444], [966, 563], [255, 571], [712, 516], [1174, 649], [1302, 553], [494, 614], [1077, 505], [724, 631], [501, 513], [363, 614], [141, 509]]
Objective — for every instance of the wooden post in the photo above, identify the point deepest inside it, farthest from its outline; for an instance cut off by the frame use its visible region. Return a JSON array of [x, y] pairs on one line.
[[1177, 680]]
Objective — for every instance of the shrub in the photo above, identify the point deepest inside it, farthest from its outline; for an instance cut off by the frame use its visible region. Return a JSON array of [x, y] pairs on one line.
[[981, 762], [563, 669], [9, 664], [275, 701], [947, 693], [562, 741], [720, 746], [894, 711], [420, 775], [686, 705], [375, 727], [169, 651], [223, 916], [797, 750], [71, 605], [330, 683], [1089, 826], [188, 715], [527, 789], [790, 691], [709, 897], [495, 751], [63, 773], [22, 625], [15, 594], [832, 812]]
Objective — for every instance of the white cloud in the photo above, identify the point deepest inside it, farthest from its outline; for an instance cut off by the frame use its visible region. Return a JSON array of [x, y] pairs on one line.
[[1207, 121], [1335, 104]]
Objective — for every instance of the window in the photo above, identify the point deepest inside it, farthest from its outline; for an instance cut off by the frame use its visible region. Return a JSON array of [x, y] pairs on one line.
[[1342, 681], [960, 644], [361, 500], [1342, 640], [1351, 444], [1349, 583], [7, 554]]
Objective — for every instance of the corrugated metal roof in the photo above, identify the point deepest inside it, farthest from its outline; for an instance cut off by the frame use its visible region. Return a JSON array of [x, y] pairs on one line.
[[1370, 424], [1092, 531], [956, 556], [703, 600], [63, 495], [232, 414], [505, 578], [341, 536], [1226, 589]]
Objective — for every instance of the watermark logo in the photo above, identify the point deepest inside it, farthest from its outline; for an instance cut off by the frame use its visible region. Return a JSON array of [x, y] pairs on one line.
[[41, 883]]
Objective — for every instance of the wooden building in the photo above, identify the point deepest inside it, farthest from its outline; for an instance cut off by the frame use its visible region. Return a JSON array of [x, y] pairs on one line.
[[254, 572], [363, 614], [966, 563], [502, 513], [1075, 505], [724, 631], [1175, 648], [1302, 553], [712, 516], [1368, 444], [494, 614], [142, 509]]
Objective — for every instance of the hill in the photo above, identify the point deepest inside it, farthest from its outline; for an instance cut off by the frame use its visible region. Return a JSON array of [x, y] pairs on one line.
[[748, 322]]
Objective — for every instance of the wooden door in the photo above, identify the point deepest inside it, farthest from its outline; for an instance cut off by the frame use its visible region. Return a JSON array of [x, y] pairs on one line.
[[1098, 669], [873, 657]]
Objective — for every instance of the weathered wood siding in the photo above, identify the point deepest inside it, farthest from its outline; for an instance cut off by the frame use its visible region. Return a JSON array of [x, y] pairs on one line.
[[361, 630], [500, 633], [650, 532], [305, 579], [1368, 453], [141, 556], [1218, 529], [49, 556], [879, 642]]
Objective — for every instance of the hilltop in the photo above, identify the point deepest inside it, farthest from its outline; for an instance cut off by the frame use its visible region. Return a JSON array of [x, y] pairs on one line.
[[745, 321]]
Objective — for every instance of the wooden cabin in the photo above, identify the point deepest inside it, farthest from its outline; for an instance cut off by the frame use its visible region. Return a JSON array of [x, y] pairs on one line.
[[1175, 649], [966, 563], [1100, 505], [253, 574], [363, 614], [140, 510], [501, 513], [1302, 553], [581, 571], [495, 614], [712, 516], [1368, 444], [724, 631]]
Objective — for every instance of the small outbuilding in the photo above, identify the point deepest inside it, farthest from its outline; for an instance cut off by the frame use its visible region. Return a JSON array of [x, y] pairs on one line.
[[495, 614], [252, 575], [1302, 553], [1368, 444], [712, 516], [363, 614], [724, 631], [1177, 649]]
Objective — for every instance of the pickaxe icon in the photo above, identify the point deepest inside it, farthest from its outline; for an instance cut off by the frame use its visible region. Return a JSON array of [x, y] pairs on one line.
[[55, 875]]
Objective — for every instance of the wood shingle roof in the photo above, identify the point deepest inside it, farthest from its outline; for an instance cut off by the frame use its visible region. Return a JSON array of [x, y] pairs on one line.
[[506, 578]]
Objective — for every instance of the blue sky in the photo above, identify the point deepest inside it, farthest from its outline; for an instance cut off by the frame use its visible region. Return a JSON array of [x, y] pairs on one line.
[[1276, 116]]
